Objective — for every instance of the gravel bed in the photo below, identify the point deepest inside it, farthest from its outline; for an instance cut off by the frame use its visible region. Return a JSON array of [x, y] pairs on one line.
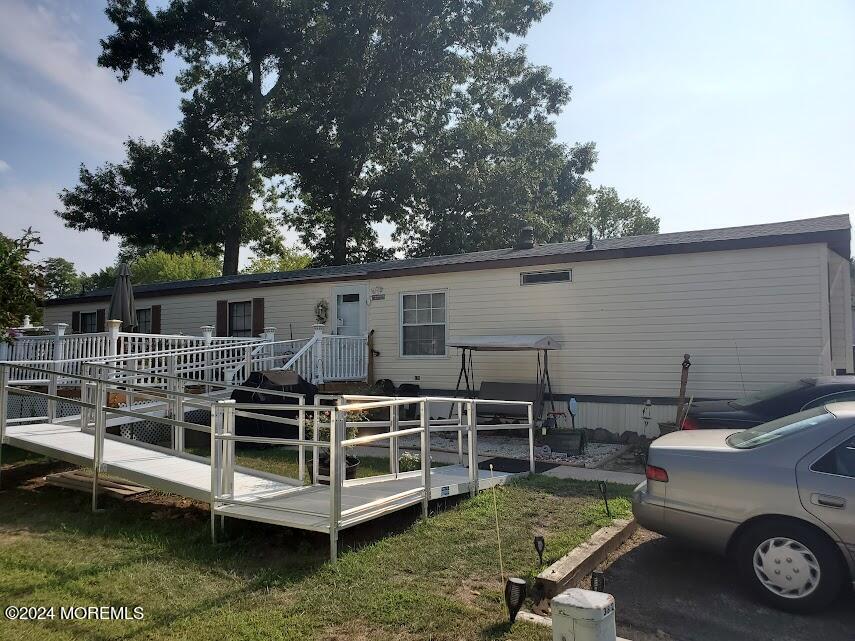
[[518, 448]]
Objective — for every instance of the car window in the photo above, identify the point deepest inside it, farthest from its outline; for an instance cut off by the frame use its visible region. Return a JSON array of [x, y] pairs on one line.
[[779, 428], [837, 397], [770, 393], [840, 460]]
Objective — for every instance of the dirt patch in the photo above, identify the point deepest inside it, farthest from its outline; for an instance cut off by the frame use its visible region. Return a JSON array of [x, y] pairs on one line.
[[665, 591]]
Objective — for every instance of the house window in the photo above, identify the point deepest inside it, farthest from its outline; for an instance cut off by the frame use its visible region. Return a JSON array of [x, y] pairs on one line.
[[540, 278], [144, 320], [423, 324], [240, 319], [88, 322]]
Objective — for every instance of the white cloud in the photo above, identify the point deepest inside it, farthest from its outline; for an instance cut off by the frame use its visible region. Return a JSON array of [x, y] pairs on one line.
[[83, 102], [4, 166]]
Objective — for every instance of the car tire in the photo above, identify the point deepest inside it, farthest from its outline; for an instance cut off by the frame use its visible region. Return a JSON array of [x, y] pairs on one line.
[[790, 565]]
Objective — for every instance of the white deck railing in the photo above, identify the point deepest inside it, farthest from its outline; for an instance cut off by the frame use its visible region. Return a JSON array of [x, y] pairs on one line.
[[318, 359]]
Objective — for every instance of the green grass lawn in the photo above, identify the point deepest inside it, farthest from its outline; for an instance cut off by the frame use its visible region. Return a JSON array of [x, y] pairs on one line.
[[397, 578]]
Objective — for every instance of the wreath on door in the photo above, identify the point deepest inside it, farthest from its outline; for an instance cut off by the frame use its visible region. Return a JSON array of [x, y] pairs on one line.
[[322, 311]]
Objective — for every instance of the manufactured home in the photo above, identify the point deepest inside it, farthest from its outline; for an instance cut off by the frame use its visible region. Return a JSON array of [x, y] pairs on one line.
[[753, 306]]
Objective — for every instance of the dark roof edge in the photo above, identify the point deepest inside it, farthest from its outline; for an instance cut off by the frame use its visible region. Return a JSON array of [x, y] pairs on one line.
[[837, 240]]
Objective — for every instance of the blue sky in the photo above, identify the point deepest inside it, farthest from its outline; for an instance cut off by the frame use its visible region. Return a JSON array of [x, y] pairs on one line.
[[714, 114]]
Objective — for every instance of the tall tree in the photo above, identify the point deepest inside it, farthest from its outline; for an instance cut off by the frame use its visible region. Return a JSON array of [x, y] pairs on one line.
[[60, 278], [195, 189], [611, 217], [495, 166], [21, 280], [382, 83], [286, 260]]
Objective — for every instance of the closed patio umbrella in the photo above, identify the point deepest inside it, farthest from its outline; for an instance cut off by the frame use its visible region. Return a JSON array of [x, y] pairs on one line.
[[122, 305]]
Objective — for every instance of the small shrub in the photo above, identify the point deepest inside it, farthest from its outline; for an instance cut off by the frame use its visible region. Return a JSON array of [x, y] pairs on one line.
[[409, 462]]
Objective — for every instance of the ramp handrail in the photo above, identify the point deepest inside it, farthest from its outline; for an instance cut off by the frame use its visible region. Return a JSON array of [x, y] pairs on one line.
[[98, 379]]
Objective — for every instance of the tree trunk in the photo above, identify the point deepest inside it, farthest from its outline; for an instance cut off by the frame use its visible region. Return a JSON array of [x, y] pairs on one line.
[[340, 239], [242, 195], [231, 251]]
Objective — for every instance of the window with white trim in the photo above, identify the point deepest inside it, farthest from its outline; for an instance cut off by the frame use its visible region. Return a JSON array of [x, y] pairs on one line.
[[144, 320], [423, 324], [88, 322], [240, 319]]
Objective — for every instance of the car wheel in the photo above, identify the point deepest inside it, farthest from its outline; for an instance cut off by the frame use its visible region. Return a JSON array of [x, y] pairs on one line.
[[790, 565]]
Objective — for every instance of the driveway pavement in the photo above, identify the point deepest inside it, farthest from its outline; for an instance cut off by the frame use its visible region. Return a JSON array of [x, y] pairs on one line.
[[666, 592]]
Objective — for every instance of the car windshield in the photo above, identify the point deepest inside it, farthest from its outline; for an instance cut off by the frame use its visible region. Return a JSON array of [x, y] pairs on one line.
[[769, 393], [779, 428]]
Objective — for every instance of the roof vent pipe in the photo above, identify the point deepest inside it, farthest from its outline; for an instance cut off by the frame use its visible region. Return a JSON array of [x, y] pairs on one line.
[[526, 238], [590, 244]]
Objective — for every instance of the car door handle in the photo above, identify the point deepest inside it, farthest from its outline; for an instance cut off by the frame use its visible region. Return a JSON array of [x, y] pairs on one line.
[[824, 500]]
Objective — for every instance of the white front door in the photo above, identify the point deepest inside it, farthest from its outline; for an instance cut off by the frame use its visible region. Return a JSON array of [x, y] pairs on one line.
[[350, 310]]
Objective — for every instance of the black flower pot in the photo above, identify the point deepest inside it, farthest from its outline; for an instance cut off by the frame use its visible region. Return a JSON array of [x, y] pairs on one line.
[[350, 469]]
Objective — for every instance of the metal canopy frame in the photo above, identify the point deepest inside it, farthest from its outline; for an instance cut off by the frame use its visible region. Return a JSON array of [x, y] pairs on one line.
[[542, 344]]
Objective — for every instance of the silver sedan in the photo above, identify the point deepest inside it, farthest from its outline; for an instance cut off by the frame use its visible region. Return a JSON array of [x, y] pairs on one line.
[[779, 498]]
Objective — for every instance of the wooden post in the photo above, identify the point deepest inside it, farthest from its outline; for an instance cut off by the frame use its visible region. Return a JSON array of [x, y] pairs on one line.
[[369, 377], [681, 401]]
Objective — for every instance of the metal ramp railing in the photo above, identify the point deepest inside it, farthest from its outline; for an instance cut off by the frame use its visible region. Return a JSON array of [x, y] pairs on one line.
[[240, 492]]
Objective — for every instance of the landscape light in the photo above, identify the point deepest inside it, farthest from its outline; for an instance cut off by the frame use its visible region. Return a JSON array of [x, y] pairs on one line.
[[598, 581], [540, 546], [514, 596]]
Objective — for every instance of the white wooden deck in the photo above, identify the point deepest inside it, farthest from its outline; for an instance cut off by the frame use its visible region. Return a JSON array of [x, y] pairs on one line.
[[148, 465]]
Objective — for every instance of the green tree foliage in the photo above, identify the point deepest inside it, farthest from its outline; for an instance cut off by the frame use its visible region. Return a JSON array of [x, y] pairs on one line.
[[611, 217], [154, 267], [21, 280], [495, 167], [195, 189], [287, 260], [60, 278], [358, 116], [160, 266]]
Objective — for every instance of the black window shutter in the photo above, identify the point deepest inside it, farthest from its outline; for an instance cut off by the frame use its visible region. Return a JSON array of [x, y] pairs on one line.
[[257, 316], [75, 322], [102, 320], [155, 319], [222, 327]]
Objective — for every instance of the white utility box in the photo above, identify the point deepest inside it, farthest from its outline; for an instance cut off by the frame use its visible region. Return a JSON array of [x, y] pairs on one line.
[[583, 615]]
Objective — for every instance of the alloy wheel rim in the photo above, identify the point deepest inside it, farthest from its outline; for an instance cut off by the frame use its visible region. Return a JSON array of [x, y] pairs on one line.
[[786, 568]]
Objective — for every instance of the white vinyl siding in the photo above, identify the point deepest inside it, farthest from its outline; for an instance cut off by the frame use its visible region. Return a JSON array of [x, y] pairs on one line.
[[839, 312], [624, 324]]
